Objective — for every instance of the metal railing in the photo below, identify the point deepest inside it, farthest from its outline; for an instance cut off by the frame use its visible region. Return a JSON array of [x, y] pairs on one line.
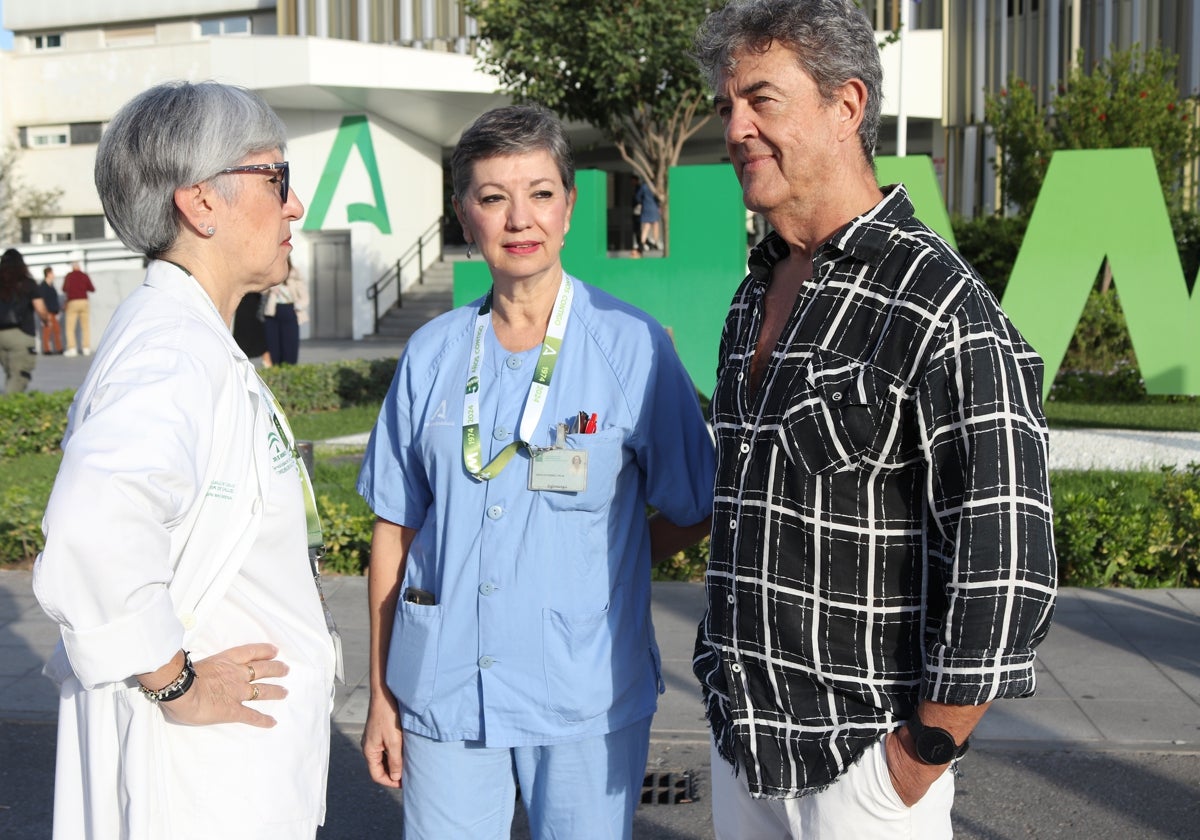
[[395, 272]]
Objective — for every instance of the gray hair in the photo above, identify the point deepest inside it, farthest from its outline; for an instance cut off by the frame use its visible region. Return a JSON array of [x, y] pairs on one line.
[[170, 136], [512, 130], [833, 41]]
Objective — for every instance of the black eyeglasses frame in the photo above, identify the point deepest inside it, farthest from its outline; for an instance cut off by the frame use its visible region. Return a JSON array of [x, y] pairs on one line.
[[285, 183]]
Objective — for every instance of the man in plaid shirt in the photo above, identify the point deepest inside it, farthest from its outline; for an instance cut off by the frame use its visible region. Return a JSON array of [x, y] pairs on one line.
[[882, 562]]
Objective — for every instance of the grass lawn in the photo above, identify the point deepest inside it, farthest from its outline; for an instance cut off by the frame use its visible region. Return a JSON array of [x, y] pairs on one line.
[[323, 425], [1143, 416], [26, 481], [1133, 487]]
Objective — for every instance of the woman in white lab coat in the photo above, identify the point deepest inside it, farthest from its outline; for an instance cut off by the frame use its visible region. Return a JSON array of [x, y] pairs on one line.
[[196, 664]]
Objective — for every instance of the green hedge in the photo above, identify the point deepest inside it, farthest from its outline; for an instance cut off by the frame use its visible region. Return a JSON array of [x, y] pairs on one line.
[[302, 389], [1137, 530], [1111, 529], [35, 422]]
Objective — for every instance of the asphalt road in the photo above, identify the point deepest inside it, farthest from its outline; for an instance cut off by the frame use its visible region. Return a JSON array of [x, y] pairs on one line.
[[1002, 795]]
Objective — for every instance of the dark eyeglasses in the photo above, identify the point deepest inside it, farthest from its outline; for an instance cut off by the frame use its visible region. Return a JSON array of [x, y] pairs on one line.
[[266, 167]]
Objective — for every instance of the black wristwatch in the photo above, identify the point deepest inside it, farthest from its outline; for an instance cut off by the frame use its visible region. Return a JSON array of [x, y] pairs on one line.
[[935, 745]]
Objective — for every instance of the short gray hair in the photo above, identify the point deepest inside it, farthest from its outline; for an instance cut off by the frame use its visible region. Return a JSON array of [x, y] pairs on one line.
[[511, 130], [832, 39], [170, 136]]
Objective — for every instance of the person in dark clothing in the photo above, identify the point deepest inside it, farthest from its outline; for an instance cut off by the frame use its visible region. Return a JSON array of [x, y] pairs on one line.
[[52, 339], [20, 305]]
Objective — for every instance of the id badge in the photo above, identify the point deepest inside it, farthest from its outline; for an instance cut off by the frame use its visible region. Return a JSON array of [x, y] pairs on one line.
[[562, 470]]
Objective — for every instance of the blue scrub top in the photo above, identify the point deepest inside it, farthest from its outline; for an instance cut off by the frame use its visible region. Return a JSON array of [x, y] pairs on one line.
[[541, 632]]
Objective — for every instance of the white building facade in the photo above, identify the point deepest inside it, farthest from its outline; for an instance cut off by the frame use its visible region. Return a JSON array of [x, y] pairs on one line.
[[368, 124], [374, 94]]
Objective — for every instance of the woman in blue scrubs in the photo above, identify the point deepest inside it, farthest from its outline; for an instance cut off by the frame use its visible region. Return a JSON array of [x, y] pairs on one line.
[[510, 471]]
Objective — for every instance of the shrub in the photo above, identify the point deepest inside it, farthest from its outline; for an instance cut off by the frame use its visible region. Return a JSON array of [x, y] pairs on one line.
[[324, 387], [21, 523], [990, 244], [33, 422], [1101, 341], [1122, 384], [347, 537], [688, 564], [1111, 537]]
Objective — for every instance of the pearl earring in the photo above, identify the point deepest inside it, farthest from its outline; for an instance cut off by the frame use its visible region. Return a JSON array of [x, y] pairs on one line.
[[470, 245], [210, 230]]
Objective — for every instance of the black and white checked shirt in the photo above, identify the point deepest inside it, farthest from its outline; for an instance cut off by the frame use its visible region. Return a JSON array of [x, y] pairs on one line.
[[882, 522]]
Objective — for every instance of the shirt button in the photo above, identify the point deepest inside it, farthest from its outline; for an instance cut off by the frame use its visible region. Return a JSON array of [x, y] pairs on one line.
[[486, 589], [740, 376], [500, 433], [745, 447], [735, 667], [486, 662], [732, 524], [837, 397], [513, 362], [495, 512], [730, 598], [188, 620]]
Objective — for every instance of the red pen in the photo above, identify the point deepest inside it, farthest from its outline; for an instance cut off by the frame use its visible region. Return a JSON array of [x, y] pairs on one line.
[[590, 428]]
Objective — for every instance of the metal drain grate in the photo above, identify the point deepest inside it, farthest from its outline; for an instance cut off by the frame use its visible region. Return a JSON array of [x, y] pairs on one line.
[[669, 787]]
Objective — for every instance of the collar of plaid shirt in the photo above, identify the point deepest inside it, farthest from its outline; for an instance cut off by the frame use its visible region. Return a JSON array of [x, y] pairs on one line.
[[882, 524]]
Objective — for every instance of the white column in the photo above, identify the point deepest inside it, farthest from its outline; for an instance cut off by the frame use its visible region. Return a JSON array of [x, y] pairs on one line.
[[901, 105], [364, 21], [322, 15], [407, 33]]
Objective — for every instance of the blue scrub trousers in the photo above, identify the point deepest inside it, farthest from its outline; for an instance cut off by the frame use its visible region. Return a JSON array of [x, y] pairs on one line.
[[584, 790]]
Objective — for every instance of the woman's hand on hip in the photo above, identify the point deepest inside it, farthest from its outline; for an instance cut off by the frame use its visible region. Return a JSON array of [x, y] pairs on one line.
[[226, 682], [382, 741]]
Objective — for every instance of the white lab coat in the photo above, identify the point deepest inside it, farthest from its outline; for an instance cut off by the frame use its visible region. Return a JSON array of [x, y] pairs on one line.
[[171, 461]]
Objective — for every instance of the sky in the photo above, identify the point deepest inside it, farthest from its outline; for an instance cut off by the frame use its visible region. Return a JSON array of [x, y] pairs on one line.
[[5, 35]]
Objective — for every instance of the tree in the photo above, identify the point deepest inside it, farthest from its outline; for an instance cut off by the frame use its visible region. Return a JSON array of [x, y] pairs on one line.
[[1129, 100], [18, 200], [624, 67]]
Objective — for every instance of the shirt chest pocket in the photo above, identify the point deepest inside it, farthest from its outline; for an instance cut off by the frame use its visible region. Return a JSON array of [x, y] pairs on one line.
[[837, 416], [605, 458]]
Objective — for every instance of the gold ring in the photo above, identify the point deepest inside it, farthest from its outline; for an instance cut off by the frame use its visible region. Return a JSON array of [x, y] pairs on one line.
[[253, 692], [251, 669]]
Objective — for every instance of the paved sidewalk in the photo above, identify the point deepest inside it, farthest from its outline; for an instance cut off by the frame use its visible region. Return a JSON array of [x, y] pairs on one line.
[[1119, 671]]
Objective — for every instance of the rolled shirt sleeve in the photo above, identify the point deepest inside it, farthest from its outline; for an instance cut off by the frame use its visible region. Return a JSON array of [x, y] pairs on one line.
[[982, 425], [131, 469]]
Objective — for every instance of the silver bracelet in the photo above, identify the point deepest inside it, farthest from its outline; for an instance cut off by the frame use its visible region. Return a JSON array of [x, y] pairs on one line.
[[177, 687]]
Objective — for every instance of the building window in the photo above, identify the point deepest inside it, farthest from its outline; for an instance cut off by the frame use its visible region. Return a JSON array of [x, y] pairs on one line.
[[47, 136], [47, 230], [225, 26], [89, 227], [47, 42], [85, 133]]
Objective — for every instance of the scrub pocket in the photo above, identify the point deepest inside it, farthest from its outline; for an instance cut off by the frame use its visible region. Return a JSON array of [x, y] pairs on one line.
[[413, 655], [605, 458], [578, 661]]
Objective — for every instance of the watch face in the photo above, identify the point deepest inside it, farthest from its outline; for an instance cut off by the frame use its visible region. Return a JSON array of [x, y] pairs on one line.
[[936, 746]]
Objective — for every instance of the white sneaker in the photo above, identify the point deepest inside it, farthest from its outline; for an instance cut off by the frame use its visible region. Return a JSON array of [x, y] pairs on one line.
[[70, 352], [87, 351]]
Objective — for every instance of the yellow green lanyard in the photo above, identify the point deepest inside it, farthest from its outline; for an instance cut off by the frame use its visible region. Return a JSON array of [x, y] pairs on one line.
[[316, 539], [539, 388]]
